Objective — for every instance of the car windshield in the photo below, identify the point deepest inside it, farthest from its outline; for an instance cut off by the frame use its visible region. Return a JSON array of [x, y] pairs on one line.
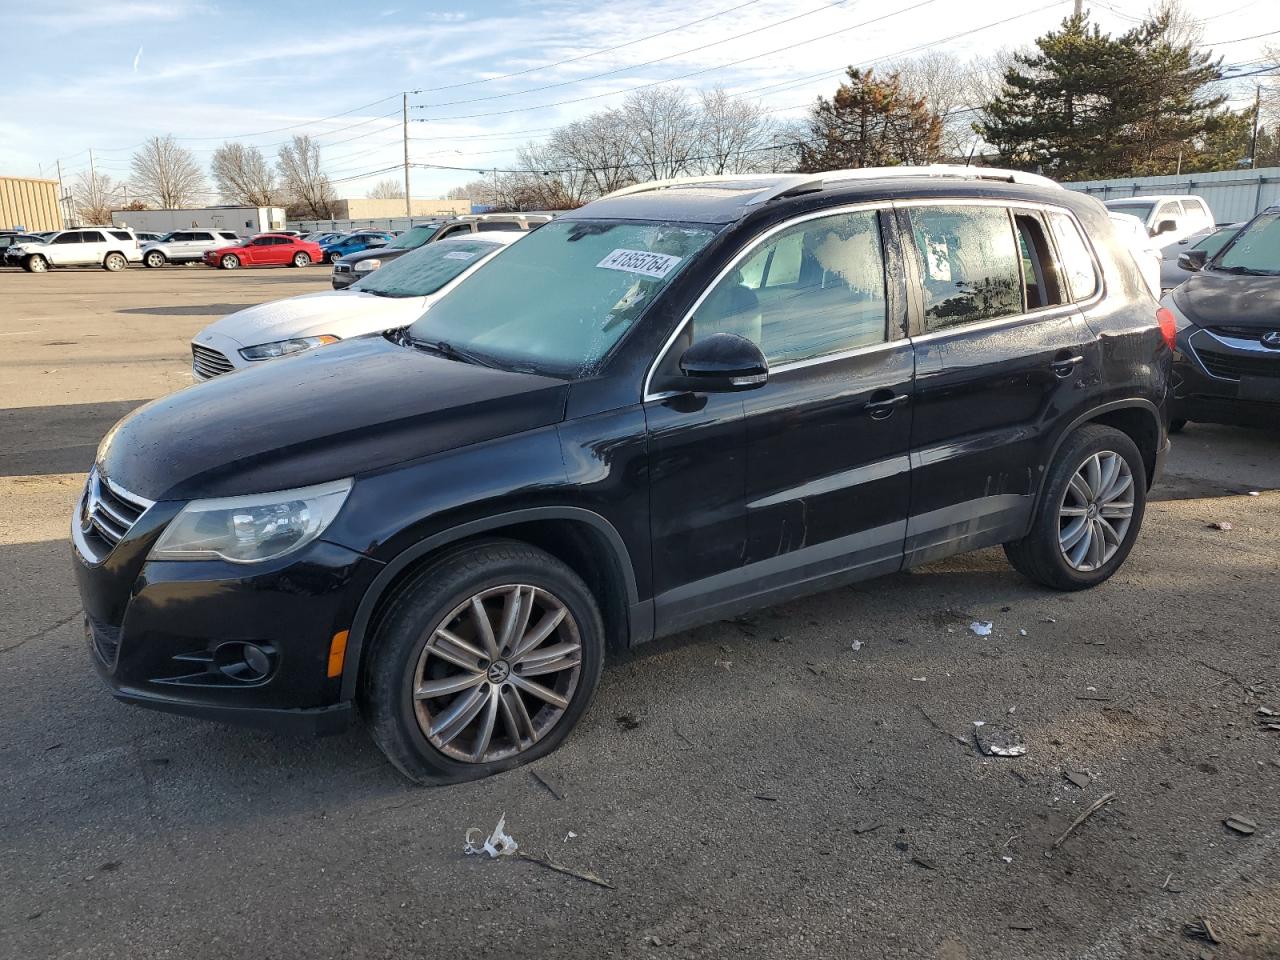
[[1139, 210], [1254, 250], [563, 295], [412, 239], [425, 271]]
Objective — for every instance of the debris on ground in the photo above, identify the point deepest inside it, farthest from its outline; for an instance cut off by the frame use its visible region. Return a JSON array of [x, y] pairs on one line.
[[570, 836], [1221, 525], [856, 646], [1094, 807], [1048, 620], [550, 789], [1079, 778], [723, 664], [1200, 929], [1007, 859], [497, 844], [567, 871], [1268, 719], [981, 627], [867, 826], [1254, 493], [1021, 926], [941, 729], [924, 862], [994, 742], [1022, 632], [626, 721], [1239, 824], [919, 679]]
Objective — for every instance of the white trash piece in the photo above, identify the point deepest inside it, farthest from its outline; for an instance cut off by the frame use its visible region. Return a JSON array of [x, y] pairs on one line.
[[497, 844], [981, 627]]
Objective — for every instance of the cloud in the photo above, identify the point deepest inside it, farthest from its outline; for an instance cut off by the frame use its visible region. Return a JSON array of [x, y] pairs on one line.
[[136, 57], [71, 16]]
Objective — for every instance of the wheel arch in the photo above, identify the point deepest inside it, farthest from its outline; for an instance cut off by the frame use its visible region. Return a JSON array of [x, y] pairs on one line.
[[1136, 417], [580, 538]]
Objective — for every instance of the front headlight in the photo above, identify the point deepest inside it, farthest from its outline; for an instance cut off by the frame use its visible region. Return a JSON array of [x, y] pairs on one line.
[[282, 348], [253, 528], [364, 266]]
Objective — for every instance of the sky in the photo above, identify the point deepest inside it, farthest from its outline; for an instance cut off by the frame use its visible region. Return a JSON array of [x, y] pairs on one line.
[[486, 76]]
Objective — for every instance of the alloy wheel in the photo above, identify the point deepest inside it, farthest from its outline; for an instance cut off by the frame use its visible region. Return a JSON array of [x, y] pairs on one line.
[[497, 673], [1096, 511]]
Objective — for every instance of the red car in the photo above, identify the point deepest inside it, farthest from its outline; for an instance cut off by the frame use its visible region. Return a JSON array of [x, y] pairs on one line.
[[266, 250]]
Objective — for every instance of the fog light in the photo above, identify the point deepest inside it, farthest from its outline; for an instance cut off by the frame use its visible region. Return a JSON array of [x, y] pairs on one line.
[[246, 662]]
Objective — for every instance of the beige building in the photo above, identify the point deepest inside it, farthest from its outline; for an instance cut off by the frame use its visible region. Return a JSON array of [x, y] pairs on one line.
[[365, 209], [30, 204]]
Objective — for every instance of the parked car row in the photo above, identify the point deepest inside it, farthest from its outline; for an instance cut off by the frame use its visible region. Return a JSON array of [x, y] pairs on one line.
[[680, 402]]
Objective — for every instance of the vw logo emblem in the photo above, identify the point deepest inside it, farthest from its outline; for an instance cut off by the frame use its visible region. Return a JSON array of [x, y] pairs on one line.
[[498, 671], [1271, 339]]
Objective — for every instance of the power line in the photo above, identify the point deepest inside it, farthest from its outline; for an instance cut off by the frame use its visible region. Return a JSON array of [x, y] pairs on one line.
[[1224, 43]]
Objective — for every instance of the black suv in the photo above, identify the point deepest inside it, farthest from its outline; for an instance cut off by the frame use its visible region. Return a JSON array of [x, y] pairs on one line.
[[1227, 368], [677, 403]]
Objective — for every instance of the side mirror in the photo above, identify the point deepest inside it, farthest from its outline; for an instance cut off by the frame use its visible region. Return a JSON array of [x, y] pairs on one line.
[[1193, 260], [1165, 226], [723, 363]]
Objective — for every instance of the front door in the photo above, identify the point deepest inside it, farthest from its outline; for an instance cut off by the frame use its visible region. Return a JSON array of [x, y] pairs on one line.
[[1001, 357], [67, 249], [824, 492]]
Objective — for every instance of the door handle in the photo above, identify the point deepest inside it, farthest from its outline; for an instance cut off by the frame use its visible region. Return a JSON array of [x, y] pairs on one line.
[[880, 409], [1062, 368]]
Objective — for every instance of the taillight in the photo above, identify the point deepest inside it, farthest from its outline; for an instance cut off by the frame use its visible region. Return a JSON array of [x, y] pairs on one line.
[[1168, 326]]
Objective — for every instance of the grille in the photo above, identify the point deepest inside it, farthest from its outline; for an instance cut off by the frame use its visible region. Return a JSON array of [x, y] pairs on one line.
[[1233, 367], [342, 268], [1239, 333], [106, 640], [207, 362], [106, 514]]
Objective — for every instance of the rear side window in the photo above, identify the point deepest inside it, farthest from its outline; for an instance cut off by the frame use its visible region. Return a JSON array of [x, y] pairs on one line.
[[970, 267], [201, 236], [1077, 262], [120, 235], [93, 236], [811, 290], [1040, 279], [228, 235], [489, 225]]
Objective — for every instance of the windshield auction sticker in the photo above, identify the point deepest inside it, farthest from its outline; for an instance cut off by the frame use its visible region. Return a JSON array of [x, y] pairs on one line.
[[641, 262], [459, 255]]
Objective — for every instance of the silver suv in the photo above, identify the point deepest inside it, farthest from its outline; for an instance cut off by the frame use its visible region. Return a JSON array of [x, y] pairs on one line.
[[185, 246], [112, 248]]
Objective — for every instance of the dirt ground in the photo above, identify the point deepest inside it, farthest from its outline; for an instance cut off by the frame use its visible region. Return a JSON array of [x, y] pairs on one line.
[[754, 788]]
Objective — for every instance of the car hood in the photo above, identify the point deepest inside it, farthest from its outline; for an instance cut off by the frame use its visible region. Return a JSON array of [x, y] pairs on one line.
[[1209, 298], [342, 313], [385, 253], [348, 409]]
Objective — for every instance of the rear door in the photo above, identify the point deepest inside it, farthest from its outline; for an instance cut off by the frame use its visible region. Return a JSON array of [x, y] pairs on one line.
[[94, 247], [1002, 357], [198, 241]]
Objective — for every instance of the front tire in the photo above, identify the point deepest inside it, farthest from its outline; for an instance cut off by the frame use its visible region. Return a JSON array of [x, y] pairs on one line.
[[1177, 426], [114, 262], [35, 264], [1089, 513], [229, 262], [155, 259], [301, 260], [485, 660]]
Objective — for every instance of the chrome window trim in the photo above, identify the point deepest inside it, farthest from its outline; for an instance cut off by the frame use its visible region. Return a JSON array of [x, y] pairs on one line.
[[1010, 203], [1252, 346], [747, 248]]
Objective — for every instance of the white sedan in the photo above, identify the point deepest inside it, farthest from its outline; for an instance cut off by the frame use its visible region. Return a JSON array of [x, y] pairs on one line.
[[394, 296]]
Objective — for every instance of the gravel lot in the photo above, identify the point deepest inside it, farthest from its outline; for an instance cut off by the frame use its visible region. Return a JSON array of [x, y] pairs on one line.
[[755, 788]]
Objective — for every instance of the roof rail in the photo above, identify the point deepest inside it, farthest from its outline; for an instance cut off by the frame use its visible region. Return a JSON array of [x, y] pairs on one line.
[[777, 182], [939, 170]]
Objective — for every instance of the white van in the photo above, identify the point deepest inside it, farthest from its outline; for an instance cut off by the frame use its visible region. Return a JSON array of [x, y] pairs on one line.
[[1168, 218], [112, 248]]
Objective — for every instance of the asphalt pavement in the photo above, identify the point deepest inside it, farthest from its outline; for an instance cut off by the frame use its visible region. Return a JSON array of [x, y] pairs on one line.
[[803, 782]]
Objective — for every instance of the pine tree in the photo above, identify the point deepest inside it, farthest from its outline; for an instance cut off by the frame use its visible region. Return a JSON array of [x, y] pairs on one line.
[[869, 123]]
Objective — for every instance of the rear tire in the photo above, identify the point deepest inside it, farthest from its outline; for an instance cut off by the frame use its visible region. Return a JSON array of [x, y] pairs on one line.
[[229, 262], [35, 264], [301, 259], [155, 259], [431, 634], [114, 262], [1069, 504]]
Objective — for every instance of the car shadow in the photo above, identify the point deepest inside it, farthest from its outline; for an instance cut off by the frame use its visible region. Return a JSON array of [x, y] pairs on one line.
[[56, 439], [189, 310]]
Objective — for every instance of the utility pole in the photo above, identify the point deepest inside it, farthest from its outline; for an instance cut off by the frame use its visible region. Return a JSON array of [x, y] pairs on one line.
[[62, 214], [1257, 111], [408, 206], [95, 200], [1079, 7]]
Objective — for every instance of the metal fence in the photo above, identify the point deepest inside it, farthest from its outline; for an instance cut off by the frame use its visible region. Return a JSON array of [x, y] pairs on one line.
[[347, 226], [1232, 195]]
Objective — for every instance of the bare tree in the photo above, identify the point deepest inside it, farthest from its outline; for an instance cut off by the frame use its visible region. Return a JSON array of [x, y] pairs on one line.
[[947, 85], [597, 145], [388, 189], [549, 180], [1181, 28], [735, 136], [93, 196], [243, 175], [305, 183], [165, 174], [662, 126]]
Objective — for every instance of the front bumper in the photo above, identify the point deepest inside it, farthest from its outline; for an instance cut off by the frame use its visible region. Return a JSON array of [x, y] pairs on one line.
[[171, 635], [344, 275], [1225, 379]]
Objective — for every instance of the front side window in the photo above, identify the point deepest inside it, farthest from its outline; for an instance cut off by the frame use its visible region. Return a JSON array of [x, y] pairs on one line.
[[1254, 250], [72, 237], [412, 239], [427, 269], [809, 291], [561, 297], [970, 269], [1077, 262]]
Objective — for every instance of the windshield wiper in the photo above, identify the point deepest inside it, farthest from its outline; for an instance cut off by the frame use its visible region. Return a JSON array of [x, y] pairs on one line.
[[450, 352], [1244, 271]]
